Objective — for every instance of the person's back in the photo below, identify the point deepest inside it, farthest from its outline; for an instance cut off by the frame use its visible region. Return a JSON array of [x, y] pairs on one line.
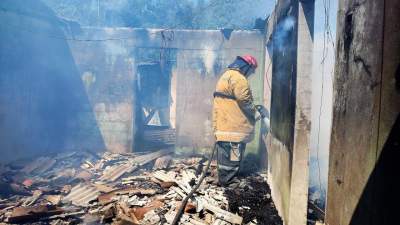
[[233, 116], [230, 121]]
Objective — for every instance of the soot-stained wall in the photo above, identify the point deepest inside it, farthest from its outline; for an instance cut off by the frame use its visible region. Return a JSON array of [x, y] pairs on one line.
[[281, 73], [106, 69], [66, 87], [107, 61], [199, 66], [288, 76], [284, 57]]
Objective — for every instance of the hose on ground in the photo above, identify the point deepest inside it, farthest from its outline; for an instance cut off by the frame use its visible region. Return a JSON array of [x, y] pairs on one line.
[[185, 201]]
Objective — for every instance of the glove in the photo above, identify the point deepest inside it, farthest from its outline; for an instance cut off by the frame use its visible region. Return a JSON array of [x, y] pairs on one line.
[[263, 111], [265, 118]]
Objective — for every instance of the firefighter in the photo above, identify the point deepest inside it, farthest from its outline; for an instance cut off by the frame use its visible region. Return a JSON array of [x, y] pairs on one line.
[[233, 117]]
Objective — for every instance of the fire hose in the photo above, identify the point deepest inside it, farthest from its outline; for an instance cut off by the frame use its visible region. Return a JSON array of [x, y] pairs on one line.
[[186, 199], [265, 118]]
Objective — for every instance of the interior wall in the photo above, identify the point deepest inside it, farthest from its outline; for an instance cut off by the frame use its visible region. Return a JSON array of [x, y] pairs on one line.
[[284, 59], [195, 85], [44, 107], [302, 127], [66, 87], [197, 73], [289, 68], [106, 68], [200, 59], [278, 153]]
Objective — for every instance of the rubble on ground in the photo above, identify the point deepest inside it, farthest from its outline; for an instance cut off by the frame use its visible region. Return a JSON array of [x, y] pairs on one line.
[[127, 189]]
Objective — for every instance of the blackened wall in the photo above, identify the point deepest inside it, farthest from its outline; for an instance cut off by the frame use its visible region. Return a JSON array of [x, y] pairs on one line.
[[289, 54], [283, 99]]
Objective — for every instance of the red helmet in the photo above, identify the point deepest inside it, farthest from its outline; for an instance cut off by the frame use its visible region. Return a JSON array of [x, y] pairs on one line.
[[250, 60]]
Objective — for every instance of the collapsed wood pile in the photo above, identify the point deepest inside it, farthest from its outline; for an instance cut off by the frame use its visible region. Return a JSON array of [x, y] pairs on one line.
[[88, 188]]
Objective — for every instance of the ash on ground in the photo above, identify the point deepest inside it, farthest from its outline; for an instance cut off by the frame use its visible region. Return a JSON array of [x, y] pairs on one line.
[[251, 199], [119, 189]]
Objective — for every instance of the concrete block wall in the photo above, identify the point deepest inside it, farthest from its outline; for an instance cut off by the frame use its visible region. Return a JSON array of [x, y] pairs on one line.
[[279, 153], [108, 62], [107, 71], [288, 69], [197, 73], [66, 87]]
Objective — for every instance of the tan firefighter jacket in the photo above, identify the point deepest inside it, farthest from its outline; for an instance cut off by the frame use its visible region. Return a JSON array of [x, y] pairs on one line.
[[233, 111]]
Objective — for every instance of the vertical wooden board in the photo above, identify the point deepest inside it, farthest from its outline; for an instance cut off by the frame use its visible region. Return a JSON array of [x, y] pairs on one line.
[[356, 108]]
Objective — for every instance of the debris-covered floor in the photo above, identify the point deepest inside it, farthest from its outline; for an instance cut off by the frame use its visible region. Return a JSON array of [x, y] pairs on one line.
[[106, 188]]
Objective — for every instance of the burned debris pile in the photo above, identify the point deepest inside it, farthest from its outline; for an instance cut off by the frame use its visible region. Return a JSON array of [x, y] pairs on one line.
[[108, 188]]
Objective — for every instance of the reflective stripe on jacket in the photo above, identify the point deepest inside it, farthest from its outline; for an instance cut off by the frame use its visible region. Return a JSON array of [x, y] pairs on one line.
[[233, 118]]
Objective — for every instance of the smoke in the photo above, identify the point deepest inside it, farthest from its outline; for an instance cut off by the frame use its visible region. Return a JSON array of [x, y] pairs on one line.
[[209, 57], [282, 32], [321, 115], [184, 14], [42, 95], [322, 96], [115, 4]]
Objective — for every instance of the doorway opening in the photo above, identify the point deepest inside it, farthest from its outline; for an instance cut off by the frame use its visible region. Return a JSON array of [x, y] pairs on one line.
[[153, 100]]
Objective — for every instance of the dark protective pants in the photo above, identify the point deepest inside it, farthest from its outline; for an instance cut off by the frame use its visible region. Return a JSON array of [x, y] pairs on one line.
[[229, 156]]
